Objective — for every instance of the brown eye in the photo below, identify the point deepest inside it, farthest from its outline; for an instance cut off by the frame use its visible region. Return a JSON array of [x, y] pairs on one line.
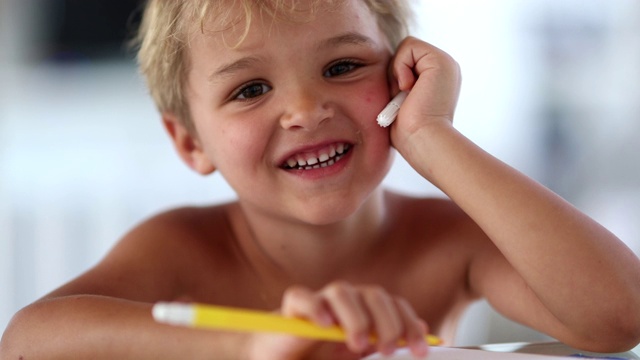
[[252, 91], [341, 68]]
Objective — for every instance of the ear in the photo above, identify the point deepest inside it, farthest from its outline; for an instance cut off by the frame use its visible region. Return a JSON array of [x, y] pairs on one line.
[[187, 145]]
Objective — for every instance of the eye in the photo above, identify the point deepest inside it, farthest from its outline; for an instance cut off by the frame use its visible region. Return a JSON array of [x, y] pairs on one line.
[[250, 91], [341, 67]]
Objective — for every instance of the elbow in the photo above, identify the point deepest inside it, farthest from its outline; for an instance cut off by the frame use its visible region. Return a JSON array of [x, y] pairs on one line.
[[25, 336], [618, 327], [14, 342], [615, 342], [625, 324], [627, 332], [619, 334]]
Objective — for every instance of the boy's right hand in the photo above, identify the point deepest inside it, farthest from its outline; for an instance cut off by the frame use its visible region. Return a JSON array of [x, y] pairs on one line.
[[360, 310]]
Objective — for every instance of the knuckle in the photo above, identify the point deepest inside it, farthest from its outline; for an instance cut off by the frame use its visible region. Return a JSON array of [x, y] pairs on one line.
[[414, 329], [402, 302], [391, 331], [361, 325], [423, 327], [374, 291], [377, 290], [294, 292], [338, 288], [294, 298]]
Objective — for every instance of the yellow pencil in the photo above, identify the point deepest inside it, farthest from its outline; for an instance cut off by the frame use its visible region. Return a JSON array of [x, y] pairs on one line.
[[226, 318]]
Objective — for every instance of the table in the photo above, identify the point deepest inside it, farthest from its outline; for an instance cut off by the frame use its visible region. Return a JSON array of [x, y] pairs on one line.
[[510, 351], [554, 348]]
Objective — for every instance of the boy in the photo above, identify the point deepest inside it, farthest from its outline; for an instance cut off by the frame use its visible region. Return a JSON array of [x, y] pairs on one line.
[[281, 98]]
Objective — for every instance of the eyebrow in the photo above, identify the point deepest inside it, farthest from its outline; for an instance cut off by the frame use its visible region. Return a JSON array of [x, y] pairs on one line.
[[228, 70], [350, 38]]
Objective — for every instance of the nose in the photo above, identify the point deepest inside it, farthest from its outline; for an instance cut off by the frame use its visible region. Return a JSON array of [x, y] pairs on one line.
[[306, 109]]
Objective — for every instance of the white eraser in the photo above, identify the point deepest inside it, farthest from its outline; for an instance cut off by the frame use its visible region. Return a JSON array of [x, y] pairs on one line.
[[173, 313], [389, 113]]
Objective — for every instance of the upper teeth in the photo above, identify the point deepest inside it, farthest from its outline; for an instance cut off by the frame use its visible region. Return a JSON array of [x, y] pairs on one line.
[[324, 158]]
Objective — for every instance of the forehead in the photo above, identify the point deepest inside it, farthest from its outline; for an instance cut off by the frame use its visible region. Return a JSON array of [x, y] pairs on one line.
[[236, 24]]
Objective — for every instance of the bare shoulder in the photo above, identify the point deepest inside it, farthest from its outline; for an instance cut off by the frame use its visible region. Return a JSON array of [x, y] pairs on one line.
[[433, 218], [161, 257], [440, 237], [445, 229], [188, 228]]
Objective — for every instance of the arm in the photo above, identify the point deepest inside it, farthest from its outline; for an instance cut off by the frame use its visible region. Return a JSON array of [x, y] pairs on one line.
[[98, 327], [554, 267], [106, 312]]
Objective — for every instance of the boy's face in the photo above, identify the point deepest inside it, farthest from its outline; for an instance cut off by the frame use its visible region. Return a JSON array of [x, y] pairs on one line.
[[294, 92]]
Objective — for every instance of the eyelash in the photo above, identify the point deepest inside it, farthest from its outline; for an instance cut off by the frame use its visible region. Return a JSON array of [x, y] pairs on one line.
[[236, 94], [350, 63]]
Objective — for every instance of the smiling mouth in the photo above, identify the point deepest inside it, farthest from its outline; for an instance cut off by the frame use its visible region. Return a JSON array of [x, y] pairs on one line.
[[323, 158]]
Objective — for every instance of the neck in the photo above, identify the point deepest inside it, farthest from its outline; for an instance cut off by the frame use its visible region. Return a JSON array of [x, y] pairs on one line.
[[278, 248]]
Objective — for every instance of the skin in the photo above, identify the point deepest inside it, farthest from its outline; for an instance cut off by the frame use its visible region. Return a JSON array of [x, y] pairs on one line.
[[331, 245]]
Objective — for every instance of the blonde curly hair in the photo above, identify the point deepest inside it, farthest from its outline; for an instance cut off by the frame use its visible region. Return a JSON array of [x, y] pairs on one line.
[[166, 27]]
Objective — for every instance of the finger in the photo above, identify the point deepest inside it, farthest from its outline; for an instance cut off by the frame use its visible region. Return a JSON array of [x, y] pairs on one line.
[[403, 63], [404, 75], [415, 328], [392, 79], [301, 302], [388, 321], [348, 308], [415, 57]]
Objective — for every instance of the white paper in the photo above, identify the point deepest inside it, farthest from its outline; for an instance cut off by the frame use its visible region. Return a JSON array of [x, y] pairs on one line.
[[446, 353]]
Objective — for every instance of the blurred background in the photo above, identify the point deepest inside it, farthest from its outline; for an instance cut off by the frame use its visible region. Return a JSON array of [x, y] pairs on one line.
[[550, 87]]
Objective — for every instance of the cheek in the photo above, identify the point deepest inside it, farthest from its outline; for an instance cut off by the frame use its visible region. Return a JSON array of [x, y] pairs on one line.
[[377, 136], [234, 148], [371, 101], [242, 145], [374, 138]]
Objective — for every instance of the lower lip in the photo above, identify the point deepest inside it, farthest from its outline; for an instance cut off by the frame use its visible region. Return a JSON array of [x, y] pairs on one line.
[[323, 172]]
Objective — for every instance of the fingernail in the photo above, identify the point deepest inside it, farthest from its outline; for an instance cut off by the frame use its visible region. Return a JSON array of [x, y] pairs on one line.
[[363, 341], [325, 319], [420, 348], [387, 350]]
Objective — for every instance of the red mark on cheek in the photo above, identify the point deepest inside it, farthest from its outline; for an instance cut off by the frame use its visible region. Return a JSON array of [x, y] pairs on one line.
[[368, 99]]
